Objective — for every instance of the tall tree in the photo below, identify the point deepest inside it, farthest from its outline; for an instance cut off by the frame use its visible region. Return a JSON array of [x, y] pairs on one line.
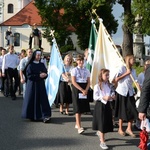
[[131, 10], [77, 14], [128, 24], [54, 17], [127, 27]]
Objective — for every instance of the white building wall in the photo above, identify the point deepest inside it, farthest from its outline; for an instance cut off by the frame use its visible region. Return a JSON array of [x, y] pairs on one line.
[[23, 30], [5, 11], [24, 37], [18, 5], [1, 11]]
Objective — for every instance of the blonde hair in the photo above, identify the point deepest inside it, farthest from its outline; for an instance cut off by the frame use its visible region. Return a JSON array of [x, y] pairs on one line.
[[147, 62], [127, 60], [100, 79], [71, 59]]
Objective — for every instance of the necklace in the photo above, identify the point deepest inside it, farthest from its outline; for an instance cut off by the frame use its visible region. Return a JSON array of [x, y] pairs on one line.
[[81, 73]]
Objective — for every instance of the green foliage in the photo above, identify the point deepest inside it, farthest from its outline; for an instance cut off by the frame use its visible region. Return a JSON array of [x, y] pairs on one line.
[[76, 13], [142, 7], [54, 18], [138, 68], [65, 48], [82, 19], [69, 42]]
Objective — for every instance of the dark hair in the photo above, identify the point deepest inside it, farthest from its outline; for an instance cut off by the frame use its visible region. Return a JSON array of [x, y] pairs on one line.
[[1, 48], [80, 57]]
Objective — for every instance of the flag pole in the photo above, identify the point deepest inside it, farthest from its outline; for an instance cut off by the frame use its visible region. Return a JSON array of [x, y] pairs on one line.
[[116, 50], [93, 21]]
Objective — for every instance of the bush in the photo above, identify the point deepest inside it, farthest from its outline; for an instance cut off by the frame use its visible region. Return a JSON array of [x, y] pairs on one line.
[[66, 48], [138, 68]]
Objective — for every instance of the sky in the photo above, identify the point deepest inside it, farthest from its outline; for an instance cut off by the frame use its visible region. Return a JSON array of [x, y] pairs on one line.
[[118, 37]]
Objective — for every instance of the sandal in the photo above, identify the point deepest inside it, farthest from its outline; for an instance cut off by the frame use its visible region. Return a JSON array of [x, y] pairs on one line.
[[122, 133], [131, 134], [66, 113]]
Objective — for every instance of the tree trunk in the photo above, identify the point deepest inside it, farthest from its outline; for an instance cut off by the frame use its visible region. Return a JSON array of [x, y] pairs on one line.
[[127, 45]]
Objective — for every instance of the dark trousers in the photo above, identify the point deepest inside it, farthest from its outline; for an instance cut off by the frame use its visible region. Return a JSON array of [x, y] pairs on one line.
[[12, 74], [5, 87], [3, 83]]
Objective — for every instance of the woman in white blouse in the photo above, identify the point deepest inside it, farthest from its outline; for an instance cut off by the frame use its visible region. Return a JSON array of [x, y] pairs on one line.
[[125, 108], [80, 77]]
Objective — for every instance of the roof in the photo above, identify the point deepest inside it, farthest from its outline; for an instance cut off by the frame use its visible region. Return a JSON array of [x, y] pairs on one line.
[[27, 15]]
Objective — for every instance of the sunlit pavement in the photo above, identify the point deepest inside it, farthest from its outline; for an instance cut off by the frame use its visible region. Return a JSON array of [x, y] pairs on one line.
[[60, 134]]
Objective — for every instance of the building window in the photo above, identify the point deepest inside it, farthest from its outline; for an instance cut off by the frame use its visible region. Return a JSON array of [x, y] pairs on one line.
[[16, 39], [10, 8]]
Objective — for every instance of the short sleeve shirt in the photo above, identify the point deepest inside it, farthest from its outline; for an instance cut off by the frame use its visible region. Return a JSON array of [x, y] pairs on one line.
[[81, 74], [125, 85]]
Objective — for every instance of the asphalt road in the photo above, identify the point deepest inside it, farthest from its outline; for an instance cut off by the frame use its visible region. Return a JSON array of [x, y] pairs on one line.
[[19, 134]]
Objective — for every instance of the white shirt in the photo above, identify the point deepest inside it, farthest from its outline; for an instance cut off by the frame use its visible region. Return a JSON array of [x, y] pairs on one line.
[[140, 78], [1, 61], [10, 61], [125, 85], [43, 60], [23, 63], [81, 74], [67, 69], [98, 94]]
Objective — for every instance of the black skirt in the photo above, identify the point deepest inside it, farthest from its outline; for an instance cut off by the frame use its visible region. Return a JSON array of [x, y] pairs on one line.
[[80, 105], [102, 117], [65, 93], [125, 108]]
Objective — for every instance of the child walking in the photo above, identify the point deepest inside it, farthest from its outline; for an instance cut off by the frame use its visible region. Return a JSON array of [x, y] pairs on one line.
[[125, 108], [102, 116]]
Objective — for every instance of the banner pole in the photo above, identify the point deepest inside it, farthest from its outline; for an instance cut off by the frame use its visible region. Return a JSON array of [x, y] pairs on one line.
[[116, 50]]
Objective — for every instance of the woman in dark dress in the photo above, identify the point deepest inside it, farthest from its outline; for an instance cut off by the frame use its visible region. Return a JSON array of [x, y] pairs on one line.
[[35, 104]]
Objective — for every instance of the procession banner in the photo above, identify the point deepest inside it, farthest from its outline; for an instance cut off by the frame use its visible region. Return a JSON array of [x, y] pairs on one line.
[[55, 69]]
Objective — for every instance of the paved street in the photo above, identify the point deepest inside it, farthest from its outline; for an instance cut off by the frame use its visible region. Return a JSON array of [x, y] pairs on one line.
[[60, 134]]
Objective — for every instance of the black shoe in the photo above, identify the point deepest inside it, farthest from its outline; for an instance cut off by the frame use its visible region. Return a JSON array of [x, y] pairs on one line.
[[13, 97], [61, 112], [5, 94], [47, 119]]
